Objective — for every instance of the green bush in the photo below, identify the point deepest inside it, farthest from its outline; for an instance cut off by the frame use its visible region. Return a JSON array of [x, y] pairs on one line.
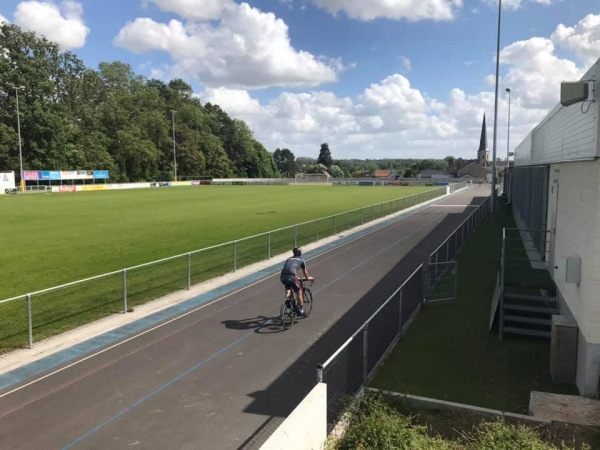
[[376, 424]]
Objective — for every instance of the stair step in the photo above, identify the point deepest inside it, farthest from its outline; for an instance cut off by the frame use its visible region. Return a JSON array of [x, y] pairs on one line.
[[540, 298], [521, 319], [525, 331], [535, 309]]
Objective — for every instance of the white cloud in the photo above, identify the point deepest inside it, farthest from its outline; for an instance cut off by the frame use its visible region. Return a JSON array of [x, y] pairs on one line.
[[246, 49], [516, 4], [236, 102], [535, 72], [405, 63], [583, 39], [198, 10], [63, 25], [411, 10], [3, 19]]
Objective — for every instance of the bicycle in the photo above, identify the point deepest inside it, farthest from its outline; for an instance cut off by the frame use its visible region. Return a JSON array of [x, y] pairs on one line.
[[289, 306]]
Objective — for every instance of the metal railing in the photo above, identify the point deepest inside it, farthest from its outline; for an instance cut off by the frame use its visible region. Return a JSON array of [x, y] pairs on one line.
[[31, 317], [353, 364], [439, 259], [356, 361]]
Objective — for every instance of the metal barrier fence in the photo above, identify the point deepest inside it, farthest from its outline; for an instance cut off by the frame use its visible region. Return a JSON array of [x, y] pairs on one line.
[[438, 270], [29, 318], [351, 366], [356, 361]]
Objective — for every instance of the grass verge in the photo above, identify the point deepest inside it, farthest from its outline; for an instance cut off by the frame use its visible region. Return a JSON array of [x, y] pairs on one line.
[[448, 352]]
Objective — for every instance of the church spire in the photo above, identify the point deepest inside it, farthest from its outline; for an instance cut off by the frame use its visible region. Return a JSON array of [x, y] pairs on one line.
[[483, 154]]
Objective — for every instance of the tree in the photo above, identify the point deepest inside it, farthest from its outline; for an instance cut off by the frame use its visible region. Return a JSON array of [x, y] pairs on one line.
[[285, 162], [336, 171], [325, 156], [304, 164], [409, 173]]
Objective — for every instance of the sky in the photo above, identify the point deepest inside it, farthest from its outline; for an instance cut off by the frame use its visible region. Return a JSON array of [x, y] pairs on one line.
[[371, 78]]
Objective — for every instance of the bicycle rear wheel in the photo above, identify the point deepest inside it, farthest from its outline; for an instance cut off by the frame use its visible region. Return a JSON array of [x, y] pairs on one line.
[[308, 302], [287, 314]]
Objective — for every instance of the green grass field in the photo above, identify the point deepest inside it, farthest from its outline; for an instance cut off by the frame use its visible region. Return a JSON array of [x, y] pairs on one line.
[[60, 238], [51, 239]]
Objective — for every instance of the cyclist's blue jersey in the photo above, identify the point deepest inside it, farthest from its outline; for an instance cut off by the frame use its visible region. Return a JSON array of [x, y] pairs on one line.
[[292, 265]]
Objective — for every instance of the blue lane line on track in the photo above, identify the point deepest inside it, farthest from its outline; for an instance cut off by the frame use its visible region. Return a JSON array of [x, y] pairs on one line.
[[156, 391], [50, 362]]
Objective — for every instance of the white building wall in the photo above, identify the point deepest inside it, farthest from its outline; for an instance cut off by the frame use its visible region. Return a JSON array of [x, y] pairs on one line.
[[578, 234], [574, 196], [567, 133]]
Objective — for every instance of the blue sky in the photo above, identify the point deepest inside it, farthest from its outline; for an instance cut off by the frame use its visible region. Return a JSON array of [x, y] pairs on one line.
[[373, 79]]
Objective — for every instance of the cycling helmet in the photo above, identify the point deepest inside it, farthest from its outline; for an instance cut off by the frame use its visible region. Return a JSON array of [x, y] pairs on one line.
[[297, 251]]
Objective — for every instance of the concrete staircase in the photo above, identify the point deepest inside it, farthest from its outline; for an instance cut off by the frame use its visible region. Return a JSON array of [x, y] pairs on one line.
[[529, 315]]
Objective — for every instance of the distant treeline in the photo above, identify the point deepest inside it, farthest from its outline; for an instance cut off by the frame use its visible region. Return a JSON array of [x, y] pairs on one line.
[[75, 118]]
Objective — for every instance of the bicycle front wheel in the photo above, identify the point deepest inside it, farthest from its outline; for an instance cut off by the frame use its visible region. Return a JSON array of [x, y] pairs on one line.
[[287, 314], [308, 302]]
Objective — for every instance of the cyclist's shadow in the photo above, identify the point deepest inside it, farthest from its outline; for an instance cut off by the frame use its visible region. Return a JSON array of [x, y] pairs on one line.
[[260, 324]]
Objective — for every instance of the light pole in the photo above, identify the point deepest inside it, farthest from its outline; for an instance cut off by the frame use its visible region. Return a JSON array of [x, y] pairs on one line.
[[493, 203], [22, 181], [174, 153], [508, 130], [509, 180]]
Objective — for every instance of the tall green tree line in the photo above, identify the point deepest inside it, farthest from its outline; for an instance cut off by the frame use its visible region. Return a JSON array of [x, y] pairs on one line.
[[76, 118]]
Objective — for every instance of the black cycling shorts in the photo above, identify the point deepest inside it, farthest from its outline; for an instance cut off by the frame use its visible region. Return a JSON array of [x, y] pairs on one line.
[[290, 282]]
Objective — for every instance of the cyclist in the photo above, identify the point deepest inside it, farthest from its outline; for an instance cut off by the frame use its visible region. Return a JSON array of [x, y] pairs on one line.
[[290, 280]]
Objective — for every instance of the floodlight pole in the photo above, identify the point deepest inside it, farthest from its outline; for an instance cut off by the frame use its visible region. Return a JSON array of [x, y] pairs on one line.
[[22, 181], [493, 203], [508, 129], [174, 152]]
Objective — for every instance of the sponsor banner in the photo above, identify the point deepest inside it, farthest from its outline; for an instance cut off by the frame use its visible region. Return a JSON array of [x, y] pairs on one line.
[[68, 174], [85, 174], [31, 175], [201, 183], [181, 183], [93, 187], [76, 175], [66, 188], [49, 175], [100, 174], [160, 184]]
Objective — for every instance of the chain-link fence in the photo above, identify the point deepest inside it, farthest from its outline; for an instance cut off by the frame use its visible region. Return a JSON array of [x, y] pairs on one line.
[[357, 359], [30, 318], [449, 249]]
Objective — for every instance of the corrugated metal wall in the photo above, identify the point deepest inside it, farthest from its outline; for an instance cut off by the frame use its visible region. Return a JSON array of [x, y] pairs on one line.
[[529, 195]]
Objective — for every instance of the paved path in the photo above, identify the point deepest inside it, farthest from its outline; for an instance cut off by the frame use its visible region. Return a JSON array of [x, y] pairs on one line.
[[217, 371]]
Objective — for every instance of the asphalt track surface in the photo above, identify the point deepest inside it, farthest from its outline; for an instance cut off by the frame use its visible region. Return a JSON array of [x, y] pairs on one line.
[[223, 374]]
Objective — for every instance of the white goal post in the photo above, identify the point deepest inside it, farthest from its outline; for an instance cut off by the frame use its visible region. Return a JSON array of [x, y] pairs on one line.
[[312, 178]]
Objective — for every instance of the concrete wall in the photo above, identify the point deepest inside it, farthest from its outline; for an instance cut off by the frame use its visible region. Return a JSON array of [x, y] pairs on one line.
[[574, 216], [306, 427]]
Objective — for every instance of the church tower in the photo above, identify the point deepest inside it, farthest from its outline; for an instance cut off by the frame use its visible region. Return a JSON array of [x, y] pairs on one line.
[[483, 154]]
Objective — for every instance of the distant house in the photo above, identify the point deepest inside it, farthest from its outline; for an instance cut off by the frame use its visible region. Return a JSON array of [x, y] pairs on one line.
[[434, 175], [473, 171], [390, 174]]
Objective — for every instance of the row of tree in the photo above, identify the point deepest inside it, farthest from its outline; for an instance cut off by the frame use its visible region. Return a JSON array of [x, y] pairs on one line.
[[75, 118], [72, 117]]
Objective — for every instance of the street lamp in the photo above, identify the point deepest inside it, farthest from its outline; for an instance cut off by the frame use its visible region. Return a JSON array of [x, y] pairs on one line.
[[493, 203], [508, 131], [22, 181], [507, 150], [174, 153]]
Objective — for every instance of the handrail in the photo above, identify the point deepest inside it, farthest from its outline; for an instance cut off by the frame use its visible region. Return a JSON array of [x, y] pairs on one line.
[[266, 233]]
